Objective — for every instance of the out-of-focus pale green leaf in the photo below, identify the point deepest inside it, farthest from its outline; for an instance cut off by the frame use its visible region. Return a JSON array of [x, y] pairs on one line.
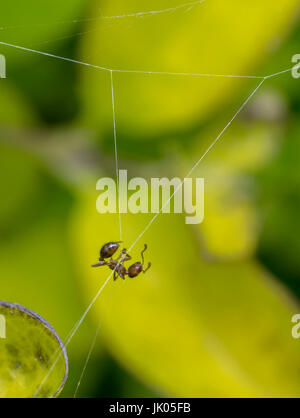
[[28, 351], [187, 327], [232, 224], [217, 37]]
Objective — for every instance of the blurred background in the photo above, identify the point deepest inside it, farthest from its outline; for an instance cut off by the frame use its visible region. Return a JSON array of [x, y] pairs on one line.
[[213, 315]]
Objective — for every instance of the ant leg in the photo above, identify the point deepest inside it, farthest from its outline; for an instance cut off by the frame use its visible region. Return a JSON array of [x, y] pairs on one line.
[[121, 275], [120, 256], [127, 257], [101, 263], [142, 254], [115, 275], [149, 265]]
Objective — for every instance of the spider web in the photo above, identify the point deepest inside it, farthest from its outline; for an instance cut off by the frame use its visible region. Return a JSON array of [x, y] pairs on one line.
[[141, 14]]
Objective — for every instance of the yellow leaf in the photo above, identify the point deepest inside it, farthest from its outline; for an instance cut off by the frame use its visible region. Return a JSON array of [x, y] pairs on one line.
[[187, 327], [215, 37]]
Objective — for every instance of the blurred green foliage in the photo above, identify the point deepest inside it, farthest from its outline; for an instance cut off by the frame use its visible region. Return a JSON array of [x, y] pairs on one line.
[[212, 317]]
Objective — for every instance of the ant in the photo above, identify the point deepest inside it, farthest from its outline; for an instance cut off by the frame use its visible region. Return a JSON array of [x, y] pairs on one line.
[[117, 265]]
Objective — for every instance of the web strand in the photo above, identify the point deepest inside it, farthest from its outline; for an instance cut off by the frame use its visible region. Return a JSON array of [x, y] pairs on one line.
[[120, 223], [116, 149], [280, 73], [87, 360], [142, 71], [187, 6], [55, 56]]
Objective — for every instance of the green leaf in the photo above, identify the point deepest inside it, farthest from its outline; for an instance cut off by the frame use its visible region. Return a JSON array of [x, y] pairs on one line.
[[28, 352]]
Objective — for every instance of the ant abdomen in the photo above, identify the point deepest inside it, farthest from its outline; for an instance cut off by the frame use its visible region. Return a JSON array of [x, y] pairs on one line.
[[109, 249], [135, 269]]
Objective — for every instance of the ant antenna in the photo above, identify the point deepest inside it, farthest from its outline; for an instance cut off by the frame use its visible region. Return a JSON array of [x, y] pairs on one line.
[[142, 254], [149, 265]]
